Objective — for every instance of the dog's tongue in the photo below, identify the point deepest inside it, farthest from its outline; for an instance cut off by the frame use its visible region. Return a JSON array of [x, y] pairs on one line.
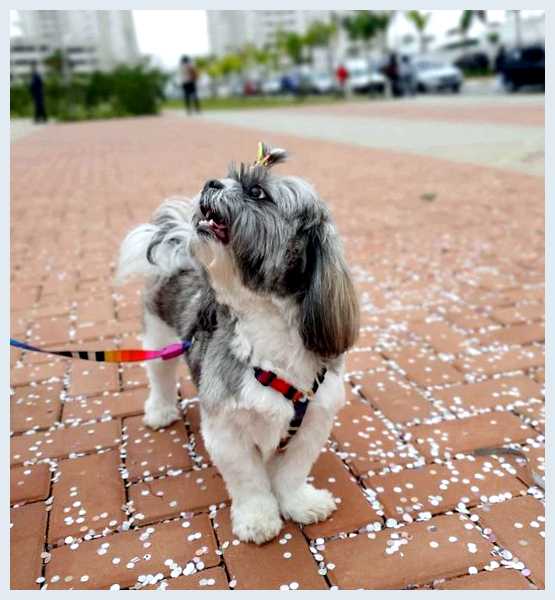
[[220, 231]]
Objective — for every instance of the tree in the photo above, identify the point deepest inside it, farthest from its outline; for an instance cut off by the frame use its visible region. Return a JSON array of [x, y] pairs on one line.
[[467, 19], [292, 44], [365, 25], [320, 35], [420, 22]]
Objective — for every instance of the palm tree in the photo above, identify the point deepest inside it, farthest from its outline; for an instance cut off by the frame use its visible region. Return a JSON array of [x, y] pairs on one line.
[[467, 19], [420, 21]]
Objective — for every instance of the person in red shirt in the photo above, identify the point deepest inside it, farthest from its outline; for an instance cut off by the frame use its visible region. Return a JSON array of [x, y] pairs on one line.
[[342, 75]]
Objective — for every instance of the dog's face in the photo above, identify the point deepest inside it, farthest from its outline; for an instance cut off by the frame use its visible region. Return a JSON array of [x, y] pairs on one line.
[[277, 237]]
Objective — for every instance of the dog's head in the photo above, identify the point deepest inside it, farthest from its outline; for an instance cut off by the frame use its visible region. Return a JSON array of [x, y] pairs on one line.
[[276, 236]]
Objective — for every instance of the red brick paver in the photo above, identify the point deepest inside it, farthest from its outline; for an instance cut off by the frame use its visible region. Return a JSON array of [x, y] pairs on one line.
[[448, 262]]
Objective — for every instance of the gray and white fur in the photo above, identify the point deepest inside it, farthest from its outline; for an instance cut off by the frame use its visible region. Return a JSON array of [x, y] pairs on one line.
[[252, 270]]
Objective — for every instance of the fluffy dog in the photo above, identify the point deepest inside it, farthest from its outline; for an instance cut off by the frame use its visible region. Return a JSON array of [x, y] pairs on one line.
[[252, 270]]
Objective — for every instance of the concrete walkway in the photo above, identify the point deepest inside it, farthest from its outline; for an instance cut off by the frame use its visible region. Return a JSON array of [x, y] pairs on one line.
[[505, 145]]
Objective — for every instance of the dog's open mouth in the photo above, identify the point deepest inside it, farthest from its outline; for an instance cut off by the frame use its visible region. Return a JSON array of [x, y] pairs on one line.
[[213, 223]]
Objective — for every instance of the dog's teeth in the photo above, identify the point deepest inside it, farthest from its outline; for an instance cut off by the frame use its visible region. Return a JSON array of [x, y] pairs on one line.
[[211, 223]]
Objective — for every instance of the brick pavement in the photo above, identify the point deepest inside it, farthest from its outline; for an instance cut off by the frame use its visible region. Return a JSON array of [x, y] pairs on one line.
[[448, 261]]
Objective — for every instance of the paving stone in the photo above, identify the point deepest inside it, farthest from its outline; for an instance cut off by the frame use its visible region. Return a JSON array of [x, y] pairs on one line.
[[539, 376], [533, 412], [187, 388], [464, 435], [123, 557], [364, 360], [364, 439], [425, 368], [89, 495], [412, 555], [193, 491], [28, 484], [493, 393], [394, 397], [116, 404], [283, 561], [109, 329], [49, 331], [64, 442], [519, 314], [155, 452], [91, 379], [518, 335], [27, 527], [438, 488], [35, 407], [96, 310], [208, 579], [519, 526], [353, 510], [468, 319], [498, 579], [440, 336], [37, 373], [133, 376], [502, 361]]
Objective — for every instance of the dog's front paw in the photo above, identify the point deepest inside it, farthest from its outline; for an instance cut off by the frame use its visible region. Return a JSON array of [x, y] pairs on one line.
[[257, 521], [308, 505], [159, 415]]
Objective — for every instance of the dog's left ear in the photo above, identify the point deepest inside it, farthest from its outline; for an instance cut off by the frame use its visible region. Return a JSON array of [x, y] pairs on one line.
[[329, 320]]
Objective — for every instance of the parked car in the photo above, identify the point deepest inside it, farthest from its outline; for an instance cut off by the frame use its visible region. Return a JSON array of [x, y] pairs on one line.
[[434, 76], [365, 78], [322, 83], [271, 86], [524, 66], [474, 61]]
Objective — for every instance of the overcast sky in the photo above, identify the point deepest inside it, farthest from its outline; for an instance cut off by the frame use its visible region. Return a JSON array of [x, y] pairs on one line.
[[167, 34]]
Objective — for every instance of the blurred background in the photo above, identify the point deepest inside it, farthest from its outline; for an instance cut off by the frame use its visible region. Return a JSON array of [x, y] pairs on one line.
[[101, 64]]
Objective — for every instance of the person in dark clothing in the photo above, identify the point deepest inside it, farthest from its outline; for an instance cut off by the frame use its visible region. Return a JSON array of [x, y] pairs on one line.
[[37, 92], [189, 84], [500, 60], [393, 74]]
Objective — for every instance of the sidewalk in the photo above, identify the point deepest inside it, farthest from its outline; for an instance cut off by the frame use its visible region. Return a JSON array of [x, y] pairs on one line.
[[448, 259]]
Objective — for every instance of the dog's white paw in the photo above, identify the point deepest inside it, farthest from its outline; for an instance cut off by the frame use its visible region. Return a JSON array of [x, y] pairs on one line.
[[308, 505], [257, 521], [159, 415]]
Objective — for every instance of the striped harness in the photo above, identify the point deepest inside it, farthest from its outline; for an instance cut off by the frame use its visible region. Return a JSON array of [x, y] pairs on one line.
[[298, 398]]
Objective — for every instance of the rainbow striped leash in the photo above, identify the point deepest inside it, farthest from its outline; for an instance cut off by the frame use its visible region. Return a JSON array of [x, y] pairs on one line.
[[112, 356]]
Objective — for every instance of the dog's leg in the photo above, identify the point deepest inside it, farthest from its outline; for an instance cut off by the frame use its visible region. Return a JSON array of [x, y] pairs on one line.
[[161, 404], [298, 500], [254, 509]]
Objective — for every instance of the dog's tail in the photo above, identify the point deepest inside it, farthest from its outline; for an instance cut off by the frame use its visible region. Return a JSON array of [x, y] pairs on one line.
[[161, 247]]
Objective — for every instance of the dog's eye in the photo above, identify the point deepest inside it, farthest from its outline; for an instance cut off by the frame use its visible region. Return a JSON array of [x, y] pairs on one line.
[[257, 192]]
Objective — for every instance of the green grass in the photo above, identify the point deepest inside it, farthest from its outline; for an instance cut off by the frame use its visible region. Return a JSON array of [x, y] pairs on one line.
[[255, 102]]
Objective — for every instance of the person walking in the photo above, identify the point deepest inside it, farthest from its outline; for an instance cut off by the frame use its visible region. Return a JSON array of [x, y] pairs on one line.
[[342, 75], [392, 73], [37, 92], [189, 78]]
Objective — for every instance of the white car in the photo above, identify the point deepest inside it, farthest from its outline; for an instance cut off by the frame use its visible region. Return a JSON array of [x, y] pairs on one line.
[[433, 76], [322, 83], [364, 79], [271, 86]]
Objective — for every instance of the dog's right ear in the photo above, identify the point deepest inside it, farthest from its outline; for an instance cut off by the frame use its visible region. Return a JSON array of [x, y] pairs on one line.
[[329, 320]]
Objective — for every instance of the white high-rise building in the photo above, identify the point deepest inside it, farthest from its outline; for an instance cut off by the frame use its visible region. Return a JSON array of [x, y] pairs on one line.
[[230, 30], [91, 39]]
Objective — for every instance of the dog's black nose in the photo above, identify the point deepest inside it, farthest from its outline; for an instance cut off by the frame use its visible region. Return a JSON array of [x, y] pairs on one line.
[[213, 184]]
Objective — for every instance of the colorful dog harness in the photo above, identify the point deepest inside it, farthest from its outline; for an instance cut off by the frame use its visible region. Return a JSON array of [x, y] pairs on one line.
[[299, 398]]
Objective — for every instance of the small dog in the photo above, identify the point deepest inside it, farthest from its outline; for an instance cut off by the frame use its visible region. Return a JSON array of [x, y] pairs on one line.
[[252, 270]]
